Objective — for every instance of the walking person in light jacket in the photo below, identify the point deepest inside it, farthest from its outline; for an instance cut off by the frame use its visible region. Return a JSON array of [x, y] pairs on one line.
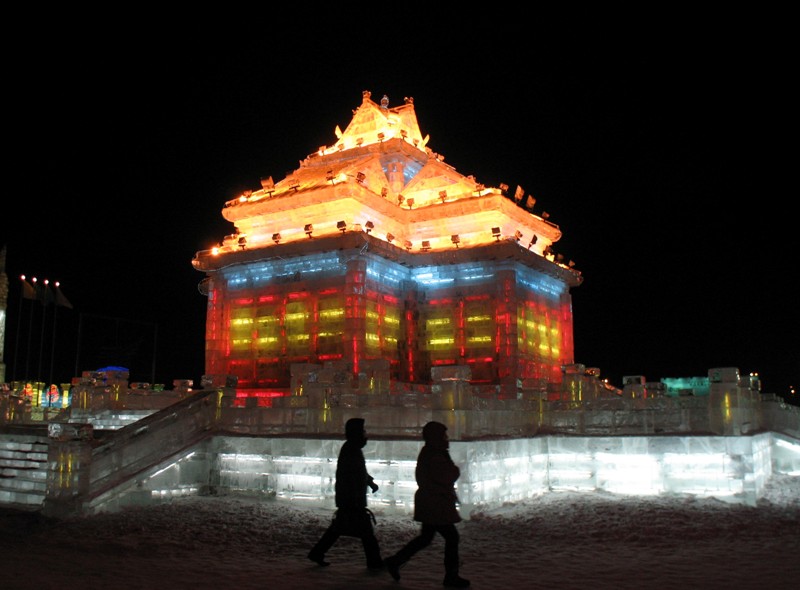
[[434, 505]]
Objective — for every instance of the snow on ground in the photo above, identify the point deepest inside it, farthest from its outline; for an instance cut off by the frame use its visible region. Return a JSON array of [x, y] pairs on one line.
[[563, 540]]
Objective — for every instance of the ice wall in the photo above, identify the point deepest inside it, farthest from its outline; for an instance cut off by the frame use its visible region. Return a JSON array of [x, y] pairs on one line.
[[493, 472]]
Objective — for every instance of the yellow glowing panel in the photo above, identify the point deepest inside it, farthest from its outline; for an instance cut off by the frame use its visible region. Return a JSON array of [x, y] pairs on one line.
[[391, 320], [267, 320], [331, 313], [441, 341], [241, 321], [241, 342], [295, 317], [476, 339], [479, 318], [438, 322]]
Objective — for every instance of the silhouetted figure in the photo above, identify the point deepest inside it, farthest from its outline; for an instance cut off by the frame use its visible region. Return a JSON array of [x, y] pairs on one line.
[[352, 518], [434, 505]]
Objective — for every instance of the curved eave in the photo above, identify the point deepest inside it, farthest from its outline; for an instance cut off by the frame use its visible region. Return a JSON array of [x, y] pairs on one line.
[[353, 203]]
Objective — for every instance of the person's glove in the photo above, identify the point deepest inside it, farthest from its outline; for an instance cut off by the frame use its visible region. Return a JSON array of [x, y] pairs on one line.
[[374, 486]]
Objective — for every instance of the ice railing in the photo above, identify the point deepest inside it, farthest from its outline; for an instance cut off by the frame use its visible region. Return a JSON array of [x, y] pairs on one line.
[[84, 467], [326, 398]]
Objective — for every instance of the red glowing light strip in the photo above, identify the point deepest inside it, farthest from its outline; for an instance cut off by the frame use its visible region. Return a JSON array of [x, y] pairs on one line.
[[446, 301], [461, 336], [259, 393], [409, 342], [509, 290]]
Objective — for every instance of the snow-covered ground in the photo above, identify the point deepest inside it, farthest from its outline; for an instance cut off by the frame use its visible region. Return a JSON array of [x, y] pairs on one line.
[[563, 540]]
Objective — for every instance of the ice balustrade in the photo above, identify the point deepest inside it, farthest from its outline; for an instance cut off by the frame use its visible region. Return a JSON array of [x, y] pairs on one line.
[[85, 468], [779, 416]]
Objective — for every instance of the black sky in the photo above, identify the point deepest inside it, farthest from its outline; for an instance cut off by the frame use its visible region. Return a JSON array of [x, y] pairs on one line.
[[643, 148]]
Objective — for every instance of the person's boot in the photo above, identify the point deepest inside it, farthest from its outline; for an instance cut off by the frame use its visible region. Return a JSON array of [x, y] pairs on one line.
[[453, 580], [373, 554], [392, 565], [318, 558]]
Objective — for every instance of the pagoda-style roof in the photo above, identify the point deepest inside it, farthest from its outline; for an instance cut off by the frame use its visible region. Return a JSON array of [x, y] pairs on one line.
[[381, 177]]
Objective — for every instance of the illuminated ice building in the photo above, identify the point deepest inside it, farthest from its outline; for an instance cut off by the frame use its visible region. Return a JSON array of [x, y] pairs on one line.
[[377, 268], [376, 281]]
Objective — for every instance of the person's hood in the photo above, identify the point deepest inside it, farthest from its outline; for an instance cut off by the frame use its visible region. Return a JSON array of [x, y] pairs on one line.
[[434, 432], [354, 431]]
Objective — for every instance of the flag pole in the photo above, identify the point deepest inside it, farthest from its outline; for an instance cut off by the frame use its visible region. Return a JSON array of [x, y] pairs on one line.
[[59, 300], [78, 345], [53, 345], [155, 347], [30, 334], [19, 329], [41, 337]]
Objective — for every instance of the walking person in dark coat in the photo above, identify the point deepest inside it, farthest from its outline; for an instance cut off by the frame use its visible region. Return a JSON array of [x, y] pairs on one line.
[[434, 505], [352, 517]]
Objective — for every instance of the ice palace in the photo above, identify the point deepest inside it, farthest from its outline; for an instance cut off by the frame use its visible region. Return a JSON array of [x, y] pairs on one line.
[[377, 281]]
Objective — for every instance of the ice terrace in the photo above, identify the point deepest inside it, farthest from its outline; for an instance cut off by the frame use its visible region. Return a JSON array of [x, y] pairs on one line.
[[104, 459]]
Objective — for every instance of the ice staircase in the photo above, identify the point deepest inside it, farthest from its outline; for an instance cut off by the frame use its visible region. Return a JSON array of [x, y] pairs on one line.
[[23, 467], [89, 468]]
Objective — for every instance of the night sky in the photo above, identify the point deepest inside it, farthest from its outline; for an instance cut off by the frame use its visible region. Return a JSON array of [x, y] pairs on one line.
[[644, 149]]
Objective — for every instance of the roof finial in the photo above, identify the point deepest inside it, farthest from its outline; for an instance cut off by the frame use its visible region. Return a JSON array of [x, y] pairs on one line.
[[385, 102]]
